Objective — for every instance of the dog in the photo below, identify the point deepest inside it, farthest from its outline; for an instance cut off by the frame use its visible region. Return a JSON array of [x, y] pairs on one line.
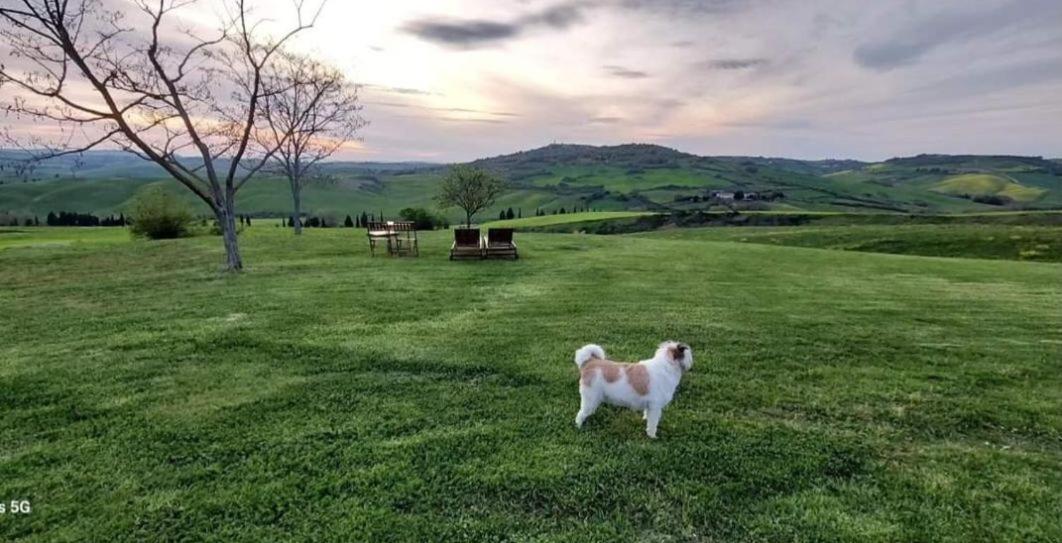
[[647, 386]]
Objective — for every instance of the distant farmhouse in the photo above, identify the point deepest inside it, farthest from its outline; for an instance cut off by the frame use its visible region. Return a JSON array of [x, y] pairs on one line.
[[732, 195]]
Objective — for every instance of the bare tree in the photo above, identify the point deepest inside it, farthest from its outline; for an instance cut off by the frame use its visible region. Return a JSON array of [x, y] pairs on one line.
[[312, 113], [144, 81], [470, 188]]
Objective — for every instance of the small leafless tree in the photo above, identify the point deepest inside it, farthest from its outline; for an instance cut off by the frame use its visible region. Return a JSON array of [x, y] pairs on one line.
[[311, 115], [142, 79], [77, 164], [470, 188]]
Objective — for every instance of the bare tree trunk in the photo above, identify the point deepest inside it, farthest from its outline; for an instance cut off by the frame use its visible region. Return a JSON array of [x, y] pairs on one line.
[[296, 196], [227, 223], [146, 96], [468, 220]]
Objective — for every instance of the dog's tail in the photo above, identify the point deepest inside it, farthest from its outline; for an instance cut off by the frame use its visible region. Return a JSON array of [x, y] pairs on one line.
[[588, 353]]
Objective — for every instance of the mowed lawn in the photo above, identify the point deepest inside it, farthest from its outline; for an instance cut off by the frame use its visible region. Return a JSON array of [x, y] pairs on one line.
[[325, 395], [997, 241]]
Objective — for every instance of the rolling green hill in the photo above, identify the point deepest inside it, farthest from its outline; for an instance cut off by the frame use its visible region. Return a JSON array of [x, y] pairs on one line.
[[991, 241], [567, 218], [633, 177], [982, 184]]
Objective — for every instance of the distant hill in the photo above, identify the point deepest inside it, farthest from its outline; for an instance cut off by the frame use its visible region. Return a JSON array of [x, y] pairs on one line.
[[631, 177], [809, 167]]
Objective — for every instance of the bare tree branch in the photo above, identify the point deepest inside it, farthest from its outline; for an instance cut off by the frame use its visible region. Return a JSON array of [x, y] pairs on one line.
[[132, 79], [309, 112]]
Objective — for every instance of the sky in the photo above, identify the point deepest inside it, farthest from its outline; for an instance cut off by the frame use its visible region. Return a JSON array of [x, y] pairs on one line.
[[454, 80]]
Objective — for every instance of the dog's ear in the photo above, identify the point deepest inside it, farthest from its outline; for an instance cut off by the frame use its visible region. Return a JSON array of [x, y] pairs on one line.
[[678, 351], [680, 354]]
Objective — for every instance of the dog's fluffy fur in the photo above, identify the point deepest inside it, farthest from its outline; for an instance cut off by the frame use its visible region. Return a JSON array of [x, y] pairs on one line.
[[647, 386]]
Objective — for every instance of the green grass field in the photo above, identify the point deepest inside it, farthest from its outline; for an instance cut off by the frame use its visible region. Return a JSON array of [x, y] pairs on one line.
[[1009, 242], [326, 395], [619, 178], [567, 218], [987, 184]]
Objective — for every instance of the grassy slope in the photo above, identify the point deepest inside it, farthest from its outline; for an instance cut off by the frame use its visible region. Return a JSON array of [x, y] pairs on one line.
[[348, 195], [939, 190], [1036, 243], [326, 395], [622, 181], [567, 218], [988, 184]]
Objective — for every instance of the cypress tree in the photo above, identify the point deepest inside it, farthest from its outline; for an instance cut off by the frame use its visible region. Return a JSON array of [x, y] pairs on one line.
[[349, 223]]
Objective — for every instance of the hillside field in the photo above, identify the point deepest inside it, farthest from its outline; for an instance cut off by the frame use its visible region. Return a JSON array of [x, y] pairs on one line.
[[633, 177], [1000, 241], [327, 395], [567, 218]]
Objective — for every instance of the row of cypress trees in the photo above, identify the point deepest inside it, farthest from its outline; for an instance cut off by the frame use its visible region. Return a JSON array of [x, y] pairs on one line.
[[562, 211], [355, 221]]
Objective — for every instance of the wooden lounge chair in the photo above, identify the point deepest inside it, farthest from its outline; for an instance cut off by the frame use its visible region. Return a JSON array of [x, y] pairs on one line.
[[499, 244], [467, 244]]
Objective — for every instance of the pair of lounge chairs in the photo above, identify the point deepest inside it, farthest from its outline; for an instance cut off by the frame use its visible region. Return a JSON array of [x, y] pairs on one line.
[[498, 243]]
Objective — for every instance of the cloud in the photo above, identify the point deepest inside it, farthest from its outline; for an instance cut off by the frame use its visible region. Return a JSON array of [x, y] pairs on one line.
[[471, 120], [983, 83], [558, 17], [911, 43], [620, 71], [687, 6], [780, 124], [734, 63], [403, 105], [472, 33], [460, 34], [477, 111], [397, 90]]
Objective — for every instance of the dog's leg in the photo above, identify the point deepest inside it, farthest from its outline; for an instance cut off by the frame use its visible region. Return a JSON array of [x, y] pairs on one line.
[[645, 414], [588, 402], [652, 420]]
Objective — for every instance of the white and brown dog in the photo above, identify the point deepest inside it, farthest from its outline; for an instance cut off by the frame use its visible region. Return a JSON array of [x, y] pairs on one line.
[[647, 386]]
